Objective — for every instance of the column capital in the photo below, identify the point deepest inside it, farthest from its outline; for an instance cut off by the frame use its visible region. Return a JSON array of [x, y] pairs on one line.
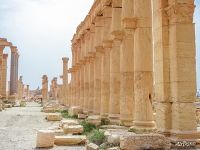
[[180, 12], [65, 59], [13, 49]]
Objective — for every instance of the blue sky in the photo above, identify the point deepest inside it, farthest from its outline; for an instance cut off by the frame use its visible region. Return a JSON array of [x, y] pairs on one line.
[[42, 30]]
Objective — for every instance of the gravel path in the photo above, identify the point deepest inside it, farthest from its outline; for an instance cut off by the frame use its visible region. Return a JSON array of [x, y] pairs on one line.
[[18, 127]]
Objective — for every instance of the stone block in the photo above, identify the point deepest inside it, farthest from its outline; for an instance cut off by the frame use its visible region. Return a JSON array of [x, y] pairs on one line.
[[73, 129], [8, 105], [163, 116], [70, 140], [95, 120], [82, 116], [113, 148], [54, 117], [114, 139], [92, 146], [45, 138], [68, 122], [144, 141], [183, 117], [75, 110]]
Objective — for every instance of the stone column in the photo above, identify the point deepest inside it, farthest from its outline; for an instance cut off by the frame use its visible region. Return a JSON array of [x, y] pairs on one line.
[[4, 76], [44, 88], [127, 64], [1, 65], [27, 91], [65, 78], [97, 64], [20, 88], [91, 69], [13, 71], [182, 68], [161, 66], [114, 106], [16, 71], [143, 66], [105, 63], [91, 86]]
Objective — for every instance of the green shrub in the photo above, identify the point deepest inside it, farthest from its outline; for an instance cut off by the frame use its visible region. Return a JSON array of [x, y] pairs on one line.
[[97, 137], [87, 127]]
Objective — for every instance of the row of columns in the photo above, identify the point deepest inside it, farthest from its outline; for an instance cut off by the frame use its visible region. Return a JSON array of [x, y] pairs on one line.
[[123, 51], [13, 87]]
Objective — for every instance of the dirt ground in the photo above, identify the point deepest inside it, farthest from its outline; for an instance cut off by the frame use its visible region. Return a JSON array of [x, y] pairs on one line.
[[18, 128]]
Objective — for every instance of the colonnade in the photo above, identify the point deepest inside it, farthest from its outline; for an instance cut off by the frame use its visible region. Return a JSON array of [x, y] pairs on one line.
[[131, 55], [13, 87]]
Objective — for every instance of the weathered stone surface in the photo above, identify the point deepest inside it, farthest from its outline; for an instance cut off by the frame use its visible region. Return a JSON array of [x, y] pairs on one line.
[[45, 138], [70, 140], [144, 141], [114, 139], [82, 116], [54, 117], [75, 110], [73, 129], [113, 148], [113, 127], [95, 120], [68, 122], [92, 146], [8, 105]]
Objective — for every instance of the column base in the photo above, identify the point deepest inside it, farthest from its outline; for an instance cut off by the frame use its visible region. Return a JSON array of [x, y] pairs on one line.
[[104, 116], [127, 123], [114, 119], [144, 124]]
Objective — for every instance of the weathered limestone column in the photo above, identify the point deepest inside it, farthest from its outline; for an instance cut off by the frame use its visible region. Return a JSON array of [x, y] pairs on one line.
[[182, 68], [161, 66], [143, 66], [16, 71], [105, 63], [13, 71], [4, 76], [27, 91], [97, 63], [44, 88], [114, 105], [1, 64], [127, 64], [20, 88], [65, 79], [86, 72], [91, 86], [91, 70]]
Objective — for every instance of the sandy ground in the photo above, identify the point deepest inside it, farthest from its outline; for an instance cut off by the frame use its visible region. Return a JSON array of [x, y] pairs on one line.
[[18, 127]]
